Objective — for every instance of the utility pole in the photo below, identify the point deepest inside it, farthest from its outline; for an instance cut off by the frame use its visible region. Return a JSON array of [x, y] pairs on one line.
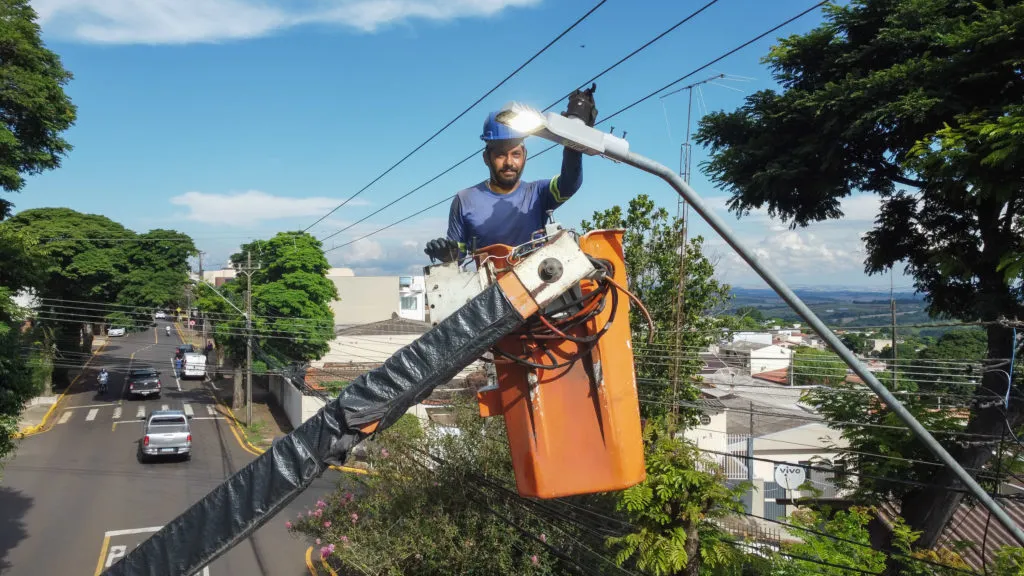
[[892, 311], [248, 270], [682, 213], [201, 279]]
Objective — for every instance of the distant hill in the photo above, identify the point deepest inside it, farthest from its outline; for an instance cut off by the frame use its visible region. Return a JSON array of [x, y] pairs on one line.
[[837, 307]]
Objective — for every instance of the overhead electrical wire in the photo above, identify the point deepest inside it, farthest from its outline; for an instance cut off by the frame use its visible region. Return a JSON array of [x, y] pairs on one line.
[[461, 114], [477, 152], [614, 114]]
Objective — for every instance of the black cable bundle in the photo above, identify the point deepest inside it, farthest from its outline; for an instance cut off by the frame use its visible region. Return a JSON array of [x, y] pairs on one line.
[[555, 323]]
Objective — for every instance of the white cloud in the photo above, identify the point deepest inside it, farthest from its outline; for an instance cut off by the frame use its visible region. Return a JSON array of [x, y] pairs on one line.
[[364, 251], [252, 207], [190, 21]]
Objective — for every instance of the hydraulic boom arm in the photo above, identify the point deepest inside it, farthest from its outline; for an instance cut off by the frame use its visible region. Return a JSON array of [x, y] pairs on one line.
[[372, 402]]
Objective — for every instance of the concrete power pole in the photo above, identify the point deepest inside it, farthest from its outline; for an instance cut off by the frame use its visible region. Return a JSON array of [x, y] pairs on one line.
[[248, 270], [204, 315]]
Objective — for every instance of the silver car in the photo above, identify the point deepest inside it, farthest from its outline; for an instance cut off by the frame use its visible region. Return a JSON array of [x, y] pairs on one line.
[[166, 433]]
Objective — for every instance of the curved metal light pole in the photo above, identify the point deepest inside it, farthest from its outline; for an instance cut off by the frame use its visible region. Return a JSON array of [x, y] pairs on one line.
[[573, 133]]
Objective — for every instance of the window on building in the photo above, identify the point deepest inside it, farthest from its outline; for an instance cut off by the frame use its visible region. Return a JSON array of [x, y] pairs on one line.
[[409, 303], [404, 281]]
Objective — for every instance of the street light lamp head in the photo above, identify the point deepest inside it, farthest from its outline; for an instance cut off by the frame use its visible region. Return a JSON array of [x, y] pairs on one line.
[[521, 118], [570, 132]]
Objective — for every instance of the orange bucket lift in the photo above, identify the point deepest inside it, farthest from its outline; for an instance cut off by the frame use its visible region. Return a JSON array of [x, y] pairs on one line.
[[566, 384]]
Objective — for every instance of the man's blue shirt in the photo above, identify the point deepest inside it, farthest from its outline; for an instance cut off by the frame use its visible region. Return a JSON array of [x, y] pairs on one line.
[[481, 217]]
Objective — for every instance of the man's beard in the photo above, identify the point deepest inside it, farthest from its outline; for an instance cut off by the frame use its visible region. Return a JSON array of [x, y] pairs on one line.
[[506, 180]]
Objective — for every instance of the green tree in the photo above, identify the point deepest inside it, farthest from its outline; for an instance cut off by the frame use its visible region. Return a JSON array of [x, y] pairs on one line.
[[813, 366], [83, 259], [858, 343], [291, 296], [452, 513], [918, 101], [842, 539], [158, 264], [672, 512], [16, 386], [35, 108], [651, 248]]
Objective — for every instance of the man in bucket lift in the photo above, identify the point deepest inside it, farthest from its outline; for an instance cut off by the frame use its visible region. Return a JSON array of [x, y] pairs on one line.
[[503, 209]]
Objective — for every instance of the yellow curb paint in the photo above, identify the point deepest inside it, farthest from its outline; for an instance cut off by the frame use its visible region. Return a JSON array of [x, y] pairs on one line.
[[38, 428], [103, 554], [239, 433], [309, 561], [328, 567]]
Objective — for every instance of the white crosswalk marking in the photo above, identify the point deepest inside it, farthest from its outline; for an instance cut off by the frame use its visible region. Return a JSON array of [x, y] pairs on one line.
[[64, 417], [140, 412], [92, 414], [117, 413], [165, 407], [210, 410], [188, 410]]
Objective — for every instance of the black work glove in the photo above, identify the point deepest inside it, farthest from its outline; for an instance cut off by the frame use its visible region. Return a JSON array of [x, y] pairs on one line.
[[581, 105], [443, 249]]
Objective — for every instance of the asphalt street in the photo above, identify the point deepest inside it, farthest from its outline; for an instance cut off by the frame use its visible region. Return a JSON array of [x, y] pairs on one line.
[[75, 498]]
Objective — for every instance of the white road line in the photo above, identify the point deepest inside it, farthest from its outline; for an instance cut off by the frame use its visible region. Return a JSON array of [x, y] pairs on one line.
[[210, 409], [131, 531], [175, 372], [90, 406], [140, 412], [188, 410], [117, 413], [92, 414], [210, 418], [64, 417], [165, 407]]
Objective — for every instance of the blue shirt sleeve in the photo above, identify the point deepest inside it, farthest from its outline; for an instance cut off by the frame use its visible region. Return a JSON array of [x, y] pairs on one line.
[[456, 224], [563, 186]]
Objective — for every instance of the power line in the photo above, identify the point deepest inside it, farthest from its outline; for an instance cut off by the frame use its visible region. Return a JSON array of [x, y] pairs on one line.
[[479, 150], [621, 110], [461, 114]]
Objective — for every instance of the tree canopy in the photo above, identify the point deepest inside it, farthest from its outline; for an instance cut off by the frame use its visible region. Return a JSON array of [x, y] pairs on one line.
[[918, 101], [651, 247], [35, 108]]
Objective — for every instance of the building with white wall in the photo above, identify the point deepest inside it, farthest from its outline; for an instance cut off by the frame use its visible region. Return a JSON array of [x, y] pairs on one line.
[[755, 358]]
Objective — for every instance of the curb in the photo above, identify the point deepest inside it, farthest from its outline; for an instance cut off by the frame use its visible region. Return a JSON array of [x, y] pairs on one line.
[[239, 433], [41, 427], [309, 562]]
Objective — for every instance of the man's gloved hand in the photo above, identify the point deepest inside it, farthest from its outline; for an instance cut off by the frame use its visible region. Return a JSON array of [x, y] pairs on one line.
[[443, 249], [581, 105]]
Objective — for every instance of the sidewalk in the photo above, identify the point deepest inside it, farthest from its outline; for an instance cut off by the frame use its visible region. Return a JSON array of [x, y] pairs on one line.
[[35, 412], [268, 420]]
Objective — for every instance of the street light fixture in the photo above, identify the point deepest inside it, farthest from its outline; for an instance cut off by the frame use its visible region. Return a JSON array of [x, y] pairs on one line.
[[573, 133]]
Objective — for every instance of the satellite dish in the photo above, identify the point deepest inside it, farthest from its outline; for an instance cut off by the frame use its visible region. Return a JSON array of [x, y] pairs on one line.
[[790, 477]]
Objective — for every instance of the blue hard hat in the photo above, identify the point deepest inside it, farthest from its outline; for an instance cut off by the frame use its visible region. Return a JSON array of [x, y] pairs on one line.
[[494, 130]]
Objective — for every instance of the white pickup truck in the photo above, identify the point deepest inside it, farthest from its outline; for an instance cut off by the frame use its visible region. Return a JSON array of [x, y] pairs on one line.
[[166, 433]]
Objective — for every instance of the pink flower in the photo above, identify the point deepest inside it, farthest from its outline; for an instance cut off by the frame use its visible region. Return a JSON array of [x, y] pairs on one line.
[[299, 515], [325, 551], [344, 539], [317, 541], [355, 517], [348, 497], [327, 524], [318, 513], [384, 453], [534, 560], [288, 525], [543, 538], [320, 503]]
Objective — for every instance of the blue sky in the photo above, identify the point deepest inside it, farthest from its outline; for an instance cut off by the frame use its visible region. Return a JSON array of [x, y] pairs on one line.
[[234, 119]]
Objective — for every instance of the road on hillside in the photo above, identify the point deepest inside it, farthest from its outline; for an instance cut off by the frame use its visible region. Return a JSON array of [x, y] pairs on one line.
[[74, 499]]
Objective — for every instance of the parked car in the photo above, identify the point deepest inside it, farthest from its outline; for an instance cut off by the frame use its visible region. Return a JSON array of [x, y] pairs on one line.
[[166, 433], [116, 332], [160, 315], [184, 349], [144, 381], [194, 366]]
